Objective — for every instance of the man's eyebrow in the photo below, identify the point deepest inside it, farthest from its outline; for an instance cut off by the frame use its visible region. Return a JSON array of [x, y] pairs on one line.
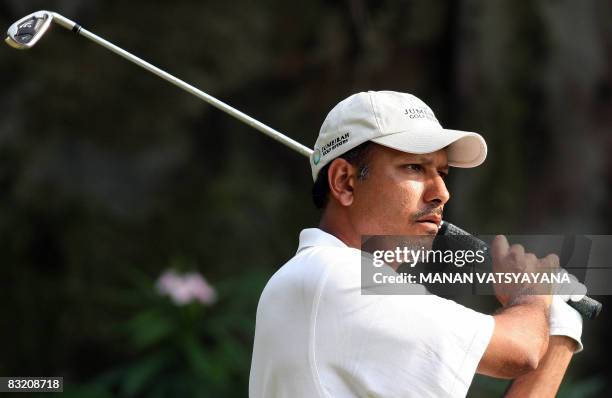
[[426, 161], [416, 158]]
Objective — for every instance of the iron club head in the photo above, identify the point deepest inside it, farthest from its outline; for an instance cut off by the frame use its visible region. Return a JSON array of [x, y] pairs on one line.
[[24, 33]]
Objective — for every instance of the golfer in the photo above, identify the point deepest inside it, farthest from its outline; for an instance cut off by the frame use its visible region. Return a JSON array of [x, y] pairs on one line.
[[379, 166]]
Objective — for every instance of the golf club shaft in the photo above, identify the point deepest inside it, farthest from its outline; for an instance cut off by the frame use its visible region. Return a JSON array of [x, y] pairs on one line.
[[256, 124]]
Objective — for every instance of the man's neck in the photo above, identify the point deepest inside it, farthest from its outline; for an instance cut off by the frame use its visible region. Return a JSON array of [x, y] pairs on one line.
[[341, 228]]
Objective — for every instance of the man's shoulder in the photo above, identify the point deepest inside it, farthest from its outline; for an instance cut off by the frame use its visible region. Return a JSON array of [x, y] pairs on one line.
[[314, 265], [326, 255], [317, 260]]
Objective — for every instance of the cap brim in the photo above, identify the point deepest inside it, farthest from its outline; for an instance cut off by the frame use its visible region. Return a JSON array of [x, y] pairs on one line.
[[465, 149]]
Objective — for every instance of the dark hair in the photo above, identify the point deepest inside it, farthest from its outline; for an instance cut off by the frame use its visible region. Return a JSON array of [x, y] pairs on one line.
[[356, 156]]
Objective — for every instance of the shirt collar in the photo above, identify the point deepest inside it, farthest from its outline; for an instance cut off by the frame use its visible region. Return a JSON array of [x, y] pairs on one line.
[[316, 237]]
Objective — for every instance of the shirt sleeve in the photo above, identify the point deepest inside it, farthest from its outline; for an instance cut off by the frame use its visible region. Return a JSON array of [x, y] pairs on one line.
[[472, 336]]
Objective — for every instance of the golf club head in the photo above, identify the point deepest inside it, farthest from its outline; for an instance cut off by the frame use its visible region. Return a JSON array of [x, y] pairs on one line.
[[24, 33]]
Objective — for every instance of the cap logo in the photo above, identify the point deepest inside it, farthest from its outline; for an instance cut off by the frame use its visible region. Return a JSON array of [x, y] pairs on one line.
[[420, 113], [316, 157], [335, 143]]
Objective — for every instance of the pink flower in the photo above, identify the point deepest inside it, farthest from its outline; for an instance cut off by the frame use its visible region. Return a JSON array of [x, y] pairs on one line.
[[183, 289]]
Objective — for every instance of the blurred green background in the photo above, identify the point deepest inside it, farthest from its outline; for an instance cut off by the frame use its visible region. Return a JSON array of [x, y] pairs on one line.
[[109, 176]]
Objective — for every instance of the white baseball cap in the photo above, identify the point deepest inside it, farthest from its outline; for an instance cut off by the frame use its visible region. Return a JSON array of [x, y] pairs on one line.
[[396, 120]]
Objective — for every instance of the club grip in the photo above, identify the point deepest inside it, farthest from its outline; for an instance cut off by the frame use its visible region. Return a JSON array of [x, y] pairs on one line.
[[587, 307]]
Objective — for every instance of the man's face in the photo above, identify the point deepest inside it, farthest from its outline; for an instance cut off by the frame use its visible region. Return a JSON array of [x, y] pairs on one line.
[[403, 194]]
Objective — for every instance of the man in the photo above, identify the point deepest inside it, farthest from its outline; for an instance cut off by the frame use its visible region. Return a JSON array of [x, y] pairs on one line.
[[379, 166]]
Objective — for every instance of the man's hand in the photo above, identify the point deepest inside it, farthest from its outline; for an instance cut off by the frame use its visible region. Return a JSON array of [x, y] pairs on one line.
[[513, 259], [574, 291]]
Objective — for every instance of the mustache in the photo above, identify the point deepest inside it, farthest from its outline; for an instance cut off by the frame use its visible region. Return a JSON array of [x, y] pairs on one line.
[[432, 211]]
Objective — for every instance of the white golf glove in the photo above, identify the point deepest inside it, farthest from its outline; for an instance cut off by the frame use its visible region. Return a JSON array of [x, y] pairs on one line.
[[564, 320], [574, 290]]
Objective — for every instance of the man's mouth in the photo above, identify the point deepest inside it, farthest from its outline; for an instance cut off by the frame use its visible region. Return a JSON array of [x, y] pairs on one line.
[[433, 219]]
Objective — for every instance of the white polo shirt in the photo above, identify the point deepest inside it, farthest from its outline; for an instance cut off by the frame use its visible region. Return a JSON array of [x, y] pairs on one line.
[[317, 336]]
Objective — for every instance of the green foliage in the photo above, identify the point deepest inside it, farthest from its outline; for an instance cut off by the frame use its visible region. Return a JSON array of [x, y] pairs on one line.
[[188, 350], [592, 387]]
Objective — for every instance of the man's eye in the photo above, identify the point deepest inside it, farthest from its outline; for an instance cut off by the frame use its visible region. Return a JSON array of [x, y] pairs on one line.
[[443, 174], [414, 167]]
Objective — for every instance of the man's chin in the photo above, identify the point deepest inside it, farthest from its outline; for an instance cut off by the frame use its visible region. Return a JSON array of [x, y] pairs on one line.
[[424, 228]]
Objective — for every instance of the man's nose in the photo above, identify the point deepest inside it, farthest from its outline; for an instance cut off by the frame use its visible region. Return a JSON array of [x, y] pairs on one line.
[[436, 191]]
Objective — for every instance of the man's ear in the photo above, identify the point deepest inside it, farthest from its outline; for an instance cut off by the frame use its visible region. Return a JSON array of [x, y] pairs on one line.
[[341, 180]]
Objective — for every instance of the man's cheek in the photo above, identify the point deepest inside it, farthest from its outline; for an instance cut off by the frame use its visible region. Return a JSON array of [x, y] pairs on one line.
[[410, 198]]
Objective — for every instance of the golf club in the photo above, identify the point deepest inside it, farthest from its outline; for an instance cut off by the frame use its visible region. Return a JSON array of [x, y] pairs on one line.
[[27, 31]]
